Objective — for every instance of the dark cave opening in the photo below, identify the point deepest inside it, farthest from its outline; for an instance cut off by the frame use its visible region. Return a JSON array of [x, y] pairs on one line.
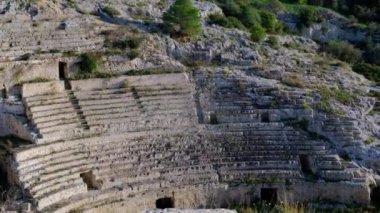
[[269, 195], [62, 67], [165, 203], [375, 197], [265, 117], [213, 119], [305, 165]]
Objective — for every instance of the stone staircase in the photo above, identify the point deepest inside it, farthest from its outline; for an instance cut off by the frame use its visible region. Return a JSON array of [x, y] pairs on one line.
[[74, 101]]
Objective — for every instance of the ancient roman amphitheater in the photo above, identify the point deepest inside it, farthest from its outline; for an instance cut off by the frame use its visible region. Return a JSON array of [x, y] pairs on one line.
[[206, 137]]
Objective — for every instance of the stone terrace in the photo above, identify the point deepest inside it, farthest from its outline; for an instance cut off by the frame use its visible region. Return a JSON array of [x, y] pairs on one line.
[[17, 39]]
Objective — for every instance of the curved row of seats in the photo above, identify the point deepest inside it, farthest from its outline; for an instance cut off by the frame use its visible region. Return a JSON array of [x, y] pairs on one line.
[[151, 140], [247, 144], [160, 119], [147, 106], [53, 115], [29, 37]]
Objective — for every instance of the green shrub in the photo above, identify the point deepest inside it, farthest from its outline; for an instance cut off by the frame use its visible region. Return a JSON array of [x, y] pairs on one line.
[[132, 43], [342, 96], [90, 63], [273, 41], [231, 8], [257, 33], [228, 22], [133, 54], [306, 17], [369, 140], [268, 21], [110, 11], [54, 51], [294, 80], [370, 71], [372, 54], [103, 75], [233, 22], [182, 19], [274, 6], [343, 51], [250, 17]]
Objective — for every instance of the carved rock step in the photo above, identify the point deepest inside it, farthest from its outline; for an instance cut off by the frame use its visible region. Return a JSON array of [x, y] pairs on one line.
[[100, 92], [109, 106], [41, 164], [105, 101], [61, 194], [263, 175], [72, 124], [52, 112], [90, 97], [336, 175], [56, 117], [47, 102], [254, 165], [38, 98], [70, 118], [40, 193], [49, 107], [111, 110]]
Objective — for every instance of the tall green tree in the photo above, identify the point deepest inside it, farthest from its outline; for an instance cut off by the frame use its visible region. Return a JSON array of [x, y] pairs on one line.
[[182, 19]]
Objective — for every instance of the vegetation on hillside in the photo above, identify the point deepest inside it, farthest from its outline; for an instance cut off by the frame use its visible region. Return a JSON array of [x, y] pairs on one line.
[[259, 17], [182, 20]]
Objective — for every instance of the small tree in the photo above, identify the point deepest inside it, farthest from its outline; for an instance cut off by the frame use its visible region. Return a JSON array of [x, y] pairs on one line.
[[90, 63], [257, 33], [306, 17], [343, 51], [274, 6], [268, 21], [182, 19]]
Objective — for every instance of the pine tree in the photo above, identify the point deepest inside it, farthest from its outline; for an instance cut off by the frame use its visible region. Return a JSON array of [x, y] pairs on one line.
[[182, 19]]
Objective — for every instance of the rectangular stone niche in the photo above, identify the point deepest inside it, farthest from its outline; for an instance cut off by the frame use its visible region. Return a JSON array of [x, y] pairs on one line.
[[269, 195]]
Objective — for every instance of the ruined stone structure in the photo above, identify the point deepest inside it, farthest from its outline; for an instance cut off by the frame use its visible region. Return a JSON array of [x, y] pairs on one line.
[[230, 129], [173, 140]]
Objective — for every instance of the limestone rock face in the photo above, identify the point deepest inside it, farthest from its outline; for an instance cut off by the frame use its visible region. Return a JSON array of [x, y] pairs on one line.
[[335, 28]]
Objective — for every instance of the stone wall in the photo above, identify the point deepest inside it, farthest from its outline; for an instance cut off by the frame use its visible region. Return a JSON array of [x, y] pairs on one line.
[[10, 119], [35, 89], [118, 82], [13, 125], [205, 196], [16, 72]]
